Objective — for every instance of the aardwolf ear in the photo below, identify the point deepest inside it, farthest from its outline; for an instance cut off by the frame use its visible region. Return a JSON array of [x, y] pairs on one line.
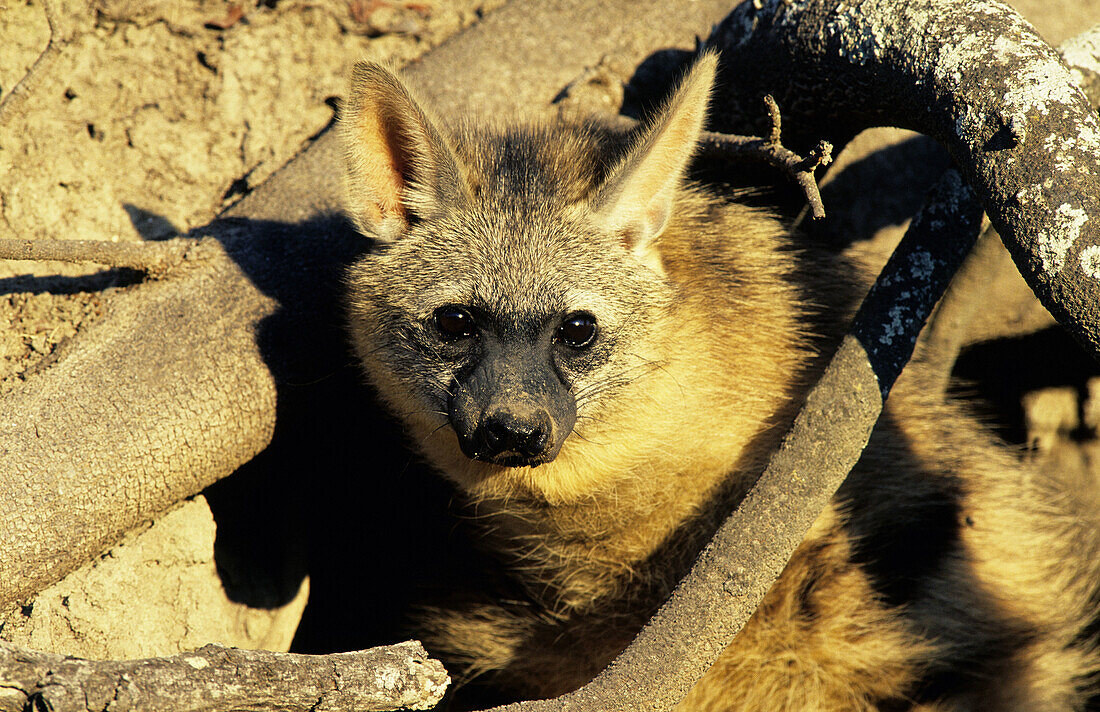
[[636, 199], [399, 167]]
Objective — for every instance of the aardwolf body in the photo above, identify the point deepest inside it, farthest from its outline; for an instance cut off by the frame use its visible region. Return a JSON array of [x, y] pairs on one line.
[[601, 356]]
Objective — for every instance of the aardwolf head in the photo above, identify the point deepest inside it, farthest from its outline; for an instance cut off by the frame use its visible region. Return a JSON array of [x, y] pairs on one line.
[[516, 282]]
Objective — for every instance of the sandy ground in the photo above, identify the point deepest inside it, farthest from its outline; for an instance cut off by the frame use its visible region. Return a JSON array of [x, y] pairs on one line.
[[154, 116]]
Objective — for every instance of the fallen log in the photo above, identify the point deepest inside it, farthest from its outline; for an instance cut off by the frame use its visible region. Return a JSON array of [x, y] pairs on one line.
[[217, 679]]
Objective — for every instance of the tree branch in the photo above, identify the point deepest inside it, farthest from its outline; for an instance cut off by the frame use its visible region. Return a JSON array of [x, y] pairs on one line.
[[981, 81], [52, 48], [770, 150], [188, 400], [952, 325], [59, 35], [217, 679], [943, 337]]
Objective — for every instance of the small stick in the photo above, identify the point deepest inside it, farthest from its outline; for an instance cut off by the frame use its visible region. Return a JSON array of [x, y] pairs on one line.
[[797, 168], [154, 258], [776, 119], [770, 150], [53, 47]]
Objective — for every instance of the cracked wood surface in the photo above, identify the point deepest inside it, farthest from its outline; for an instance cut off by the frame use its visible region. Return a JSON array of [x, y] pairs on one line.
[[121, 427], [217, 679]]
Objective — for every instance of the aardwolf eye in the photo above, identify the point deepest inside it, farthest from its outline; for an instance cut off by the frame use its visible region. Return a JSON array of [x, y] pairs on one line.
[[578, 330], [454, 322]]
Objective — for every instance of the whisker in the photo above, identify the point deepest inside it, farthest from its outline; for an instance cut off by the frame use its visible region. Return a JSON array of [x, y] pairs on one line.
[[419, 411], [625, 377], [375, 350], [587, 439], [435, 430]]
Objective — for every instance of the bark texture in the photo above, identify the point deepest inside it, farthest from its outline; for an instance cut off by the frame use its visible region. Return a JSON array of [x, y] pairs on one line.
[[975, 76], [135, 417], [216, 679], [152, 257]]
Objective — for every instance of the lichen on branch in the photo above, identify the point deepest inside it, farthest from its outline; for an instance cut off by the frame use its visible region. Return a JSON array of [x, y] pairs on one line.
[[975, 76]]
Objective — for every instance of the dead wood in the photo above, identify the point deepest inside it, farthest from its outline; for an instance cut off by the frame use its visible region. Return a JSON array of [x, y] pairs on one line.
[[271, 263], [942, 339], [771, 150], [133, 419], [217, 679], [53, 47], [986, 298]]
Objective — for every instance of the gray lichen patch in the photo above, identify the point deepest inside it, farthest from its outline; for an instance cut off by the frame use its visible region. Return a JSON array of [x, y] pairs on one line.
[[1041, 78], [977, 77], [1009, 88], [1090, 261], [420, 683], [1055, 238]]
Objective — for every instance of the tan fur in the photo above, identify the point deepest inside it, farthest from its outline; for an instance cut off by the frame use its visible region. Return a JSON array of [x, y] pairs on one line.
[[716, 324]]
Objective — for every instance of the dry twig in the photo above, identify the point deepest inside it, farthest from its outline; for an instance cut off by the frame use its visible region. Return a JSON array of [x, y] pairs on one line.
[[154, 258], [23, 87], [799, 169], [770, 150]]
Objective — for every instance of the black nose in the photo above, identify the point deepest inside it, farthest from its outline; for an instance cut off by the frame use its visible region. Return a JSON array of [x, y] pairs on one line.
[[527, 434]]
